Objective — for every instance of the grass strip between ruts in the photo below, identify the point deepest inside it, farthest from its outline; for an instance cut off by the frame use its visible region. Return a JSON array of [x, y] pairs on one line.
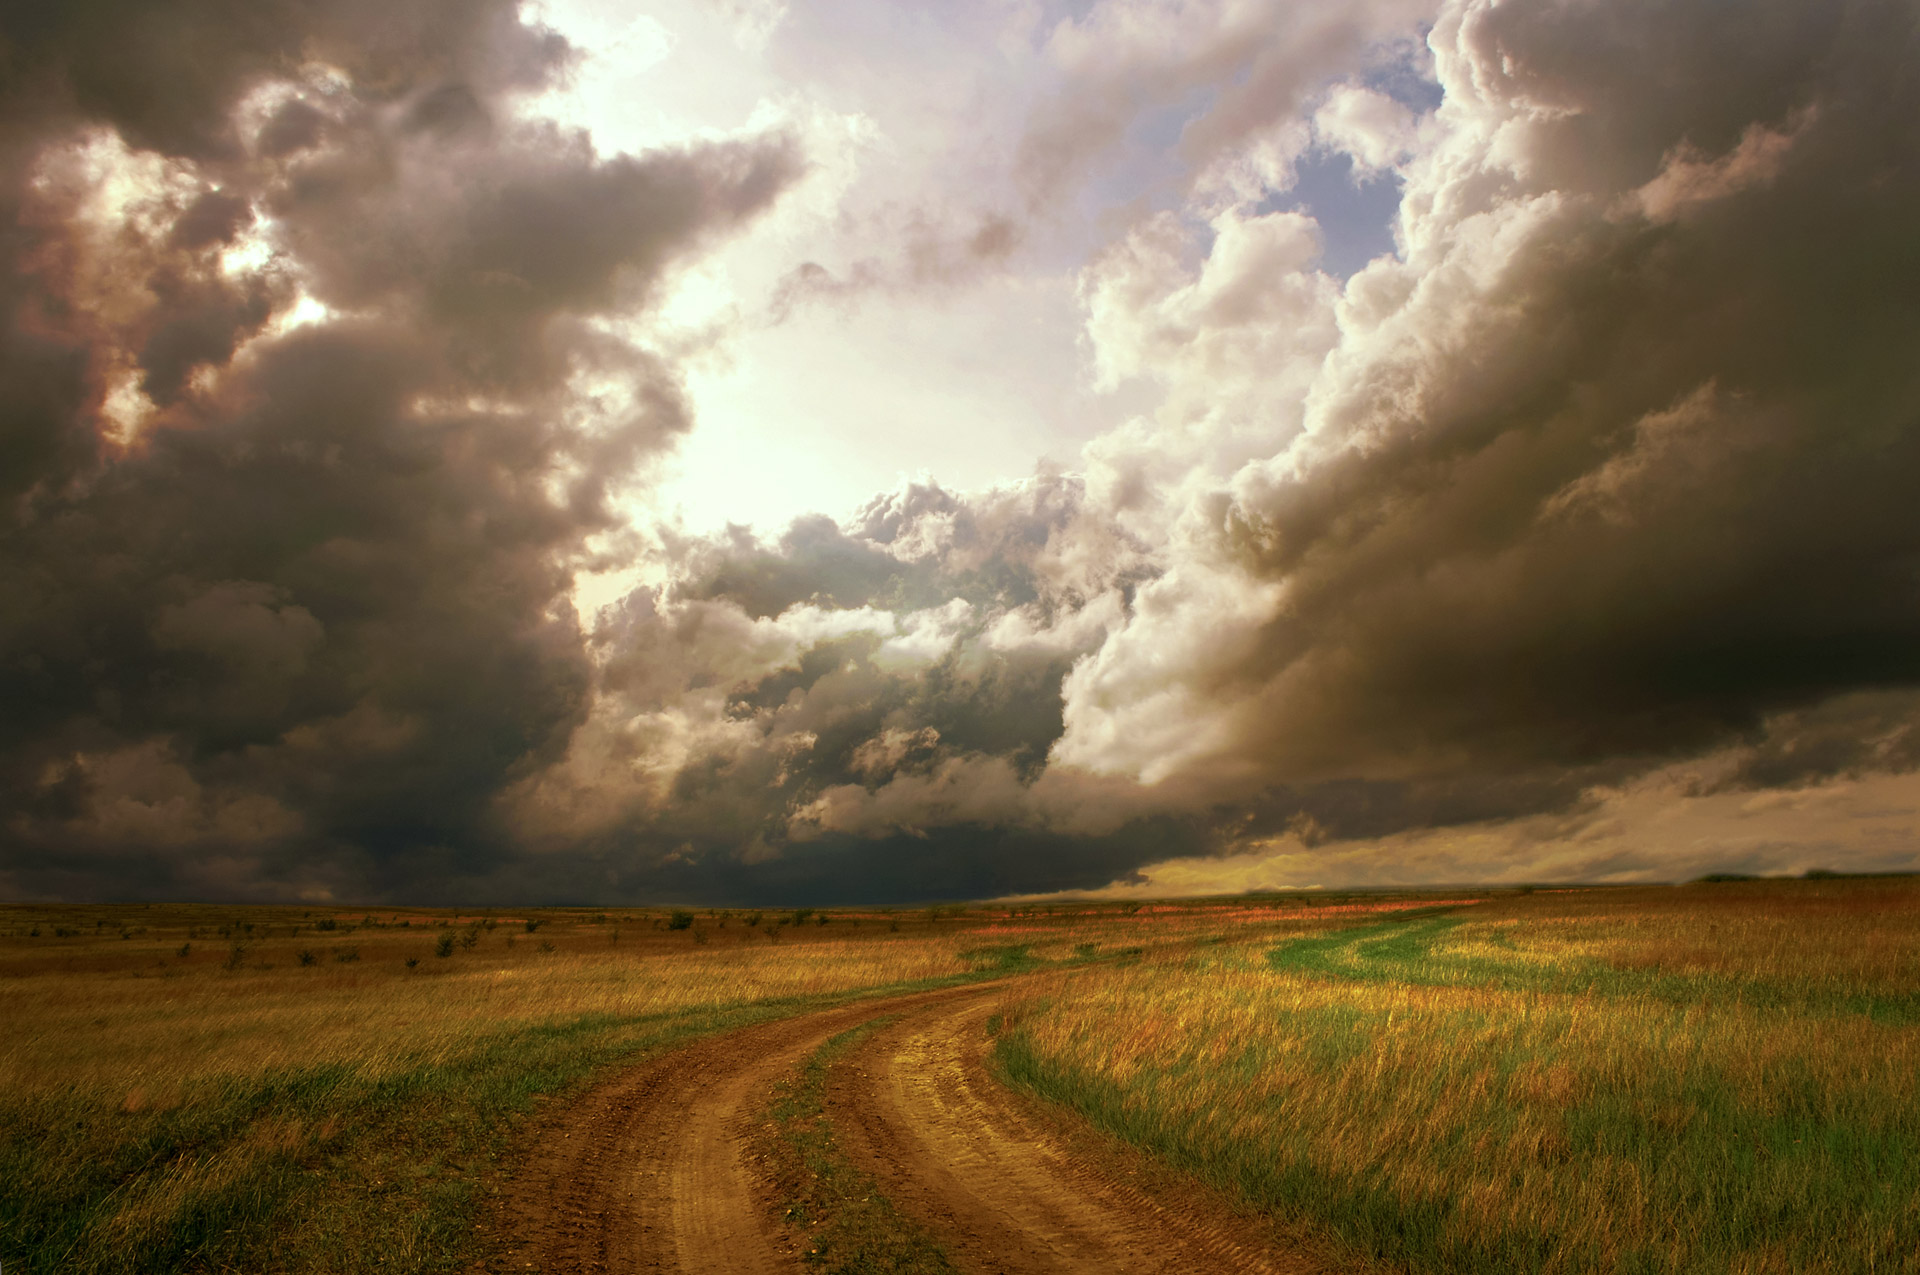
[[843, 1224]]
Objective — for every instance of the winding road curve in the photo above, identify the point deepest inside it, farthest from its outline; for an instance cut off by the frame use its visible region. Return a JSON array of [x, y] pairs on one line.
[[653, 1170]]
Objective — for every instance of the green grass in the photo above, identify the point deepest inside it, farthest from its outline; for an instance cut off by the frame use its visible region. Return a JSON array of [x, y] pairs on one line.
[[843, 1224], [1416, 952]]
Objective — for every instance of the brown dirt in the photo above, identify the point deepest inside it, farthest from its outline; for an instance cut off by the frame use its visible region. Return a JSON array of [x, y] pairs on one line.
[[652, 1170]]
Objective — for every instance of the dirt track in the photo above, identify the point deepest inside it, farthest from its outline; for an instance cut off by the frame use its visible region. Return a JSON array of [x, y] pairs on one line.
[[652, 1170]]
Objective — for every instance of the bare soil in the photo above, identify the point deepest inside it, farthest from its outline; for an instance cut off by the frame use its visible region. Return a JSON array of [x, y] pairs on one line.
[[653, 1170]]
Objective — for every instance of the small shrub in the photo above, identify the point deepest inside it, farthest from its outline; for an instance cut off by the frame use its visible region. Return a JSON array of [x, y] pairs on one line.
[[800, 915], [823, 919], [236, 955], [306, 957], [413, 962], [753, 922], [533, 923], [545, 946], [62, 932], [185, 950], [680, 920], [326, 923], [346, 954], [443, 946], [468, 937]]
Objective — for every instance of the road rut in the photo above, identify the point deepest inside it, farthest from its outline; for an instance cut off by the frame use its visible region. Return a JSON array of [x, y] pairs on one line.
[[1011, 1186]]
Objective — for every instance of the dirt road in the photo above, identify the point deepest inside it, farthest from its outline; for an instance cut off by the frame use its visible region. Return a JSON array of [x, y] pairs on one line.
[[653, 1170]]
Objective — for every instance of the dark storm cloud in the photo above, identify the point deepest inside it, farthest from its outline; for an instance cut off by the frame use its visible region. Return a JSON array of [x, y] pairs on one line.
[[166, 74], [287, 607]]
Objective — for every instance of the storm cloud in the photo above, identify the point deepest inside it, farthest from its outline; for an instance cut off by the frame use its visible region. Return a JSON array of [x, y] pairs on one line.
[[1584, 515], [311, 412]]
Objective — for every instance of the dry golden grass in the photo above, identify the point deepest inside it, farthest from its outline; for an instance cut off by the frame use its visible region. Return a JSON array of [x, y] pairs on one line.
[[178, 1023], [1711, 1078]]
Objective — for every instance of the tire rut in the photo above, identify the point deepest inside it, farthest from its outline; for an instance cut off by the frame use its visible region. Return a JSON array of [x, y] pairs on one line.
[[651, 1171], [1012, 1186]]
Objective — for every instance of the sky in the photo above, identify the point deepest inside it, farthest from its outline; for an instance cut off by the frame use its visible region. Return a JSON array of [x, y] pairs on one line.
[[745, 451]]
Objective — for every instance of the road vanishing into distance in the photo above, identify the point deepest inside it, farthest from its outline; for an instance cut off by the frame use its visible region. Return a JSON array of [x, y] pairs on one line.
[[655, 1170]]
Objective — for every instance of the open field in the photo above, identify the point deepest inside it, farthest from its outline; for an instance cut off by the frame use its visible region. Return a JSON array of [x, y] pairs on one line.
[[203, 1088], [1717, 1077]]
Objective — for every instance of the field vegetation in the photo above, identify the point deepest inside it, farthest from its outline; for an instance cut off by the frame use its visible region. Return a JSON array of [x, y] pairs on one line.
[[1721, 1077], [212, 1088], [1715, 1077]]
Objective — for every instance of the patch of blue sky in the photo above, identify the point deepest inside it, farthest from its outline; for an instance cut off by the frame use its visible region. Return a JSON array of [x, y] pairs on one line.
[[1356, 211], [1356, 216]]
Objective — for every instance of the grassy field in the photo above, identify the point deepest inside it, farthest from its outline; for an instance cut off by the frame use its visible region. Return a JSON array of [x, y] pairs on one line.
[[1721, 1077], [214, 1088], [1716, 1077]]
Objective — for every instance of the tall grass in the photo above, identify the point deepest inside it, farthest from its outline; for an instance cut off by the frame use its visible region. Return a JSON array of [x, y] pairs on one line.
[[1712, 1078]]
